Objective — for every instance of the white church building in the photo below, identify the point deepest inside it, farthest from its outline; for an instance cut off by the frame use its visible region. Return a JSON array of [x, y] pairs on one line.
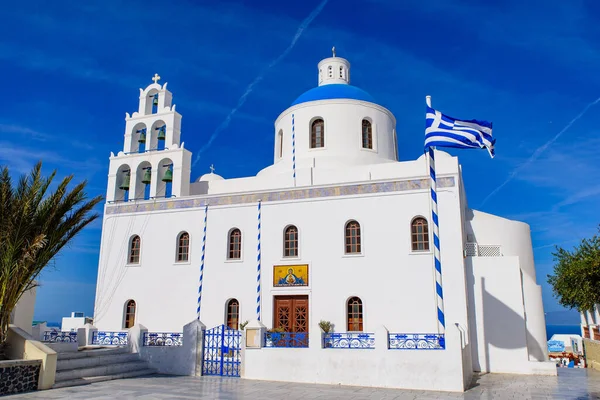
[[336, 230]]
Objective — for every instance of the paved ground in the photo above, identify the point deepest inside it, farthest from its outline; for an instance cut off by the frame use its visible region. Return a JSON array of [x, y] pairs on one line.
[[570, 384]]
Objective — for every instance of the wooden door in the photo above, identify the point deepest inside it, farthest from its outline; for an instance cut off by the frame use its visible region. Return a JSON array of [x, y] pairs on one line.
[[291, 313]]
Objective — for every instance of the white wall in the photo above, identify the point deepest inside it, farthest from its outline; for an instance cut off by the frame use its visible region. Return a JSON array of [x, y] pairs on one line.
[[378, 367], [498, 325], [71, 323], [343, 135], [22, 314], [387, 272], [514, 237]]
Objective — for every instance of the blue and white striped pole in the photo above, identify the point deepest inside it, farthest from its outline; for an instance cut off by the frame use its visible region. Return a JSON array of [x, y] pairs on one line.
[[436, 245], [293, 148], [436, 240], [258, 268], [202, 261]]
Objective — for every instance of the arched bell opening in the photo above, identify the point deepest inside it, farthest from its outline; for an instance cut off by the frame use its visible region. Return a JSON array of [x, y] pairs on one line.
[[165, 178], [123, 183], [158, 135], [139, 137], [152, 102], [143, 181]]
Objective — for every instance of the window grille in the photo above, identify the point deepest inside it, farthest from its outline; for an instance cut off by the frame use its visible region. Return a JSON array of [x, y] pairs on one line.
[[130, 314], [355, 315], [353, 237], [290, 242], [233, 313], [367, 134], [317, 135], [485, 250], [183, 247], [471, 249], [134, 250], [489, 251], [235, 245], [420, 234]]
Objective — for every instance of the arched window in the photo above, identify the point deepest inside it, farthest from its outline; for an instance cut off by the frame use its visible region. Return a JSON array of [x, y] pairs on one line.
[[419, 234], [129, 314], [355, 315], [290, 242], [280, 144], [317, 134], [352, 235], [183, 247], [330, 71], [235, 244], [233, 313], [367, 134], [134, 250]]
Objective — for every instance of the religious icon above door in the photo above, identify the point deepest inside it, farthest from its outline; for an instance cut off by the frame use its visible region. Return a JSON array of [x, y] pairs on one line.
[[290, 275]]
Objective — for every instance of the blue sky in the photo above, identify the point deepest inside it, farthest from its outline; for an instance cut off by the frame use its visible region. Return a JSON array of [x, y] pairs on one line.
[[71, 70]]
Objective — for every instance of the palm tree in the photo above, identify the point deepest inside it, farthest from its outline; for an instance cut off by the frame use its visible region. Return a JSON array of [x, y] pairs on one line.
[[35, 224]]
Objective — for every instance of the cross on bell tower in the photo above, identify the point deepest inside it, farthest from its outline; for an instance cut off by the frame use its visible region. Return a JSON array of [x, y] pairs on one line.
[[156, 77]]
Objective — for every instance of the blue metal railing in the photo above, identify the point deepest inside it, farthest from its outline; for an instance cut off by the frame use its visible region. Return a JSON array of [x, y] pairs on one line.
[[286, 339], [349, 340], [60, 337], [163, 339], [416, 341]]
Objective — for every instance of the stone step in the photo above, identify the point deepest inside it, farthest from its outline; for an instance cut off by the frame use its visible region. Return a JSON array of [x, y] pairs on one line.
[[101, 370], [95, 361], [92, 352], [102, 378]]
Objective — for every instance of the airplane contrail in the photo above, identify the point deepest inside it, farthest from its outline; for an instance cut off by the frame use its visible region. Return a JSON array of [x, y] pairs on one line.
[[536, 154], [223, 125]]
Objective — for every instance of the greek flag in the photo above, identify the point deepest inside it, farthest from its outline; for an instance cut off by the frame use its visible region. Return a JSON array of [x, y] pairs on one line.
[[444, 131]]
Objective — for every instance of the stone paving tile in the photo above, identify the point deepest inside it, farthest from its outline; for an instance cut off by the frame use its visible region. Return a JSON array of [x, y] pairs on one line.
[[570, 384]]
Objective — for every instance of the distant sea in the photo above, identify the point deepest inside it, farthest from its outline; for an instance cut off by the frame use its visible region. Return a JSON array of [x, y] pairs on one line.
[[562, 330]]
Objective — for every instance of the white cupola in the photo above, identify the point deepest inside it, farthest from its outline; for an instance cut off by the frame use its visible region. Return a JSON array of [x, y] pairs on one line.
[[334, 70]]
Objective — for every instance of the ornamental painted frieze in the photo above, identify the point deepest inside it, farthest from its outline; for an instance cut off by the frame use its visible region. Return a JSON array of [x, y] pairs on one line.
[[280, 195]]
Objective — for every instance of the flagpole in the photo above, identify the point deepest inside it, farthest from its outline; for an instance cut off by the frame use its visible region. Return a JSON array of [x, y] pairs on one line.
[[437, 259]]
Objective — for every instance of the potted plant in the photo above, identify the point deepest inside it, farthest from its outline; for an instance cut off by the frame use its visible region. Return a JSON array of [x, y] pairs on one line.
[[326, 327]]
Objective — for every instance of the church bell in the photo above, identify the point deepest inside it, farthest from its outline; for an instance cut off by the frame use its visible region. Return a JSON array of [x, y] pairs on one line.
[[155, 100], [142, 138], [161, 132], [168, 177], [125, 182], [147, 176]]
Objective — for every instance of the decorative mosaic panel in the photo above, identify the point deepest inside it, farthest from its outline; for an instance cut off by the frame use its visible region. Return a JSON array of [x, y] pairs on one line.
[[290, 275], [281, 195], [19, 376]]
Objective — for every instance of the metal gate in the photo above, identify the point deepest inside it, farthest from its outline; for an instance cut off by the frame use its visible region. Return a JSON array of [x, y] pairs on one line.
[[222, 351]]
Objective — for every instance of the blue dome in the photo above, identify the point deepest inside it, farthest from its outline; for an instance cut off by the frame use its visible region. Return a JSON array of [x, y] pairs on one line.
[[334, 91]]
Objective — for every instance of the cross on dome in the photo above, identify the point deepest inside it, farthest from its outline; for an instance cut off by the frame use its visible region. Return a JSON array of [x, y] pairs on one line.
[[212, 169], [333, 50], [156, 78]]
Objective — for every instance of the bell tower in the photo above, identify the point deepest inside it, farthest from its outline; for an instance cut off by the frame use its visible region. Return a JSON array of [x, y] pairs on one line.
[[154, 163]]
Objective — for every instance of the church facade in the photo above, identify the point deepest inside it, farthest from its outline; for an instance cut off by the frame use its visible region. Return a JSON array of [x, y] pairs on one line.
[[337, 231]]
